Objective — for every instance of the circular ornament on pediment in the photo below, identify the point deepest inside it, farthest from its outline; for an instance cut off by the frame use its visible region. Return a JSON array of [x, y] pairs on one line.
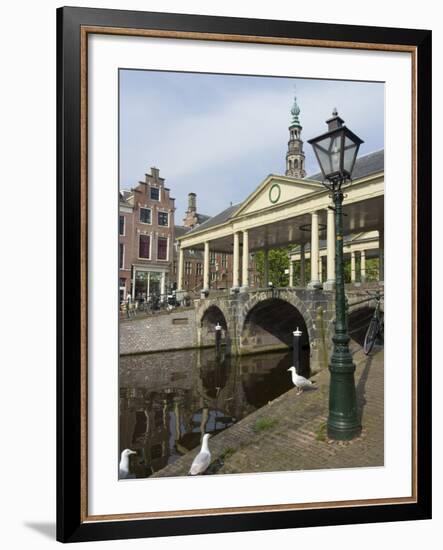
[[274, 193]]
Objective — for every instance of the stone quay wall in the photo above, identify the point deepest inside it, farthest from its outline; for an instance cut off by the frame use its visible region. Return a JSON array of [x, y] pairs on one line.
[[162, 331]]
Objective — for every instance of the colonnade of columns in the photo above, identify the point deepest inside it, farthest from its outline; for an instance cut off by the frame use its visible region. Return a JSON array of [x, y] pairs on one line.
[[316, 275], [240, 277], [330, 280], [316, 259], [362, 266]]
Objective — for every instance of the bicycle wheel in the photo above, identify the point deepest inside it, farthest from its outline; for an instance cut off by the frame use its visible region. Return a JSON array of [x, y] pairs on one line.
[[371, 335]]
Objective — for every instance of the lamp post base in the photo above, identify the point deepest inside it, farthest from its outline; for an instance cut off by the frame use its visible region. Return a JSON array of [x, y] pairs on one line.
[[343, 421], [342, 429]]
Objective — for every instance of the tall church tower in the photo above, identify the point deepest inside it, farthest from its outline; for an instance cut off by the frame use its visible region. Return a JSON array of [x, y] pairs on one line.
[[295, 158]]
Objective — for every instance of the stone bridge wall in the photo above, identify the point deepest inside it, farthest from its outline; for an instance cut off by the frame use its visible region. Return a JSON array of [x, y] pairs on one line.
[[194, 327], [314, 306]]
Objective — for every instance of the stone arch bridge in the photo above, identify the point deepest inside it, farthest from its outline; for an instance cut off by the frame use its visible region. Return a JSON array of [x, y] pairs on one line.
[[264, 319]]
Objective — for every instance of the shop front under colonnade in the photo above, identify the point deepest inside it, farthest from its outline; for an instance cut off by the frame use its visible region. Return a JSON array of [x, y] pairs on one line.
[[290, 211]]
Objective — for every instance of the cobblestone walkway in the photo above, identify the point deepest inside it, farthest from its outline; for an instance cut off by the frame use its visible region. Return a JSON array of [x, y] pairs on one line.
[[290, 432]]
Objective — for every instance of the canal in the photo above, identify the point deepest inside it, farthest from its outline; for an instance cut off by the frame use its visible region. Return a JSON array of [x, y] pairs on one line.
[[167, 400]]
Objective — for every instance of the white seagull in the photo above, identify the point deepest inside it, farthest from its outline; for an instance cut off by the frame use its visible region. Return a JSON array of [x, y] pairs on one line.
[[300, 382], [123, 467], [203, 459]]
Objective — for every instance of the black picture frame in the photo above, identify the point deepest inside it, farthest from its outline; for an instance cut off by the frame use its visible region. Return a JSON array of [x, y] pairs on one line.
[[72, 526]]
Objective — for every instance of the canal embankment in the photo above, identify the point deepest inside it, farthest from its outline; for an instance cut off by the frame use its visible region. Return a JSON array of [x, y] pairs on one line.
[[289, 433], [159, 332]]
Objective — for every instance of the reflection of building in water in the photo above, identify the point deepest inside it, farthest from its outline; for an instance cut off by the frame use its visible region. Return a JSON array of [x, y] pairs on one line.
[[165, 406]]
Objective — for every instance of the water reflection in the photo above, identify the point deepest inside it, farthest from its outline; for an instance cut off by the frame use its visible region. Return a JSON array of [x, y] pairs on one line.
[[167, 400]]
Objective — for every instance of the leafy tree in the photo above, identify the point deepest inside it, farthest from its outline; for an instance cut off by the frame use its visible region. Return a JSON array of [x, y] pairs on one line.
[[278, 259]]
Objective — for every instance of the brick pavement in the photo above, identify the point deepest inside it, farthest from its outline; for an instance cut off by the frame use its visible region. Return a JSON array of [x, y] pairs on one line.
[[293, 434]]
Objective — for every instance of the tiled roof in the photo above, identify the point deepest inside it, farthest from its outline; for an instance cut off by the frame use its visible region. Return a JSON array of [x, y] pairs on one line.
[[180, 230], [221, 217], [364, 166], [201, 218]]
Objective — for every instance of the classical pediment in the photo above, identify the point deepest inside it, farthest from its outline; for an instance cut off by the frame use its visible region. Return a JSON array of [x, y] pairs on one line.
[[275, 190]]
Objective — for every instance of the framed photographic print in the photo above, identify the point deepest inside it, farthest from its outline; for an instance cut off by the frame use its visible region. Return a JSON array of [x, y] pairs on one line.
[[244, 273]]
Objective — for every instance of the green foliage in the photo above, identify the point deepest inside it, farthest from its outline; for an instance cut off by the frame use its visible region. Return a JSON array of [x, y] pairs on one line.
[[371, 268], [264, 424], [278, 259]]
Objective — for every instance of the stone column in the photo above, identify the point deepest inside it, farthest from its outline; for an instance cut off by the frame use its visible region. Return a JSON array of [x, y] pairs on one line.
[[133, 283], [302, 265], [266, 268], [291, 273], [363, 266], [381, 254], [315, 282], [180, 269], [163, 287], [320, 269], [245, 261], [352, 267], [330, 247], [236, 261], [206, 267]]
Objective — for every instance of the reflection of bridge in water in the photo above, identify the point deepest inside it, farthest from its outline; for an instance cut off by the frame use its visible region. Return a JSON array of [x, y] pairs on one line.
[[167, 400]]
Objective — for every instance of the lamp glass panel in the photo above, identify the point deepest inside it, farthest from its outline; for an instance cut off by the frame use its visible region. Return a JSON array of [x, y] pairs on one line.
[[324, 160], [350, 154], [335, 150]]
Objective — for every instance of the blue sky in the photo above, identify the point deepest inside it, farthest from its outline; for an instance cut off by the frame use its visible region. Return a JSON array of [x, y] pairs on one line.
[[221, 135]]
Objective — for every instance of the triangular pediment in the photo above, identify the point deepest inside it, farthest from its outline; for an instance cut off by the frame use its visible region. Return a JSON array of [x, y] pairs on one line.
[[275, 190]]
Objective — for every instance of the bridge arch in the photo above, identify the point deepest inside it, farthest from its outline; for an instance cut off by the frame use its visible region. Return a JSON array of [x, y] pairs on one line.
[[207, 319], [269, 322]]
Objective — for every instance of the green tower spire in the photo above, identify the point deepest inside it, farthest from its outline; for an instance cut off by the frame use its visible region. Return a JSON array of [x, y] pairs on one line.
[[295, 111], [295, 158]]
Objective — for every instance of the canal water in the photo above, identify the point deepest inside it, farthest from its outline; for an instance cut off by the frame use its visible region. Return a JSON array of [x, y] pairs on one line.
[[167, 400]]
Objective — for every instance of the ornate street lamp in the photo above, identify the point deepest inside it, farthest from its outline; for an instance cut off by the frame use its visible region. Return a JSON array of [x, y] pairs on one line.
[[336, 151]]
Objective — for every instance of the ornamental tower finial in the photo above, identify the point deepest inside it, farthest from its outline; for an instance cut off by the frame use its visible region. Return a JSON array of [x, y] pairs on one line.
[[295, 111], [295, 158]]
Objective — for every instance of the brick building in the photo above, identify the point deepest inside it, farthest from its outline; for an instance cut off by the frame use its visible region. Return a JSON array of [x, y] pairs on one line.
[[148, 253], [146, 238]]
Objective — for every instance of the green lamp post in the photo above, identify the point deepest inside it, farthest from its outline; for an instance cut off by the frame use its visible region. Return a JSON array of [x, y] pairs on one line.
[[336, 152]]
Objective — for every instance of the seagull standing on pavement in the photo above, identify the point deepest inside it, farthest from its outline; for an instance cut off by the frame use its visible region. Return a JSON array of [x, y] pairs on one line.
[[300, 382], [123, 467], [203, 459]]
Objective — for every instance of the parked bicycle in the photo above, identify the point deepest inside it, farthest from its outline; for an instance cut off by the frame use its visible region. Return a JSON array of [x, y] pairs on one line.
[[376, 326]]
